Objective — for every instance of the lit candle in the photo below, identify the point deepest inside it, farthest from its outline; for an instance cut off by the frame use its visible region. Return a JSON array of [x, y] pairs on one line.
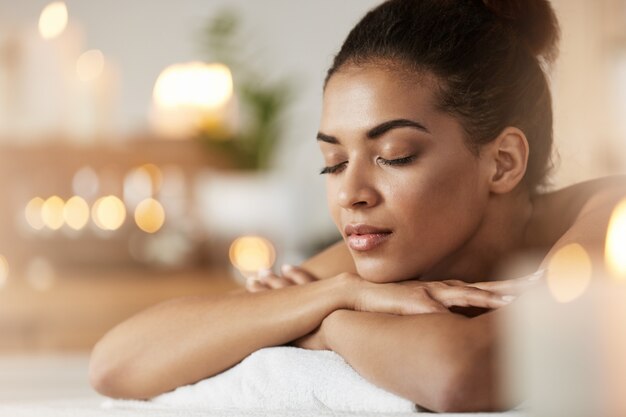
[[193, 97], [566, 341]]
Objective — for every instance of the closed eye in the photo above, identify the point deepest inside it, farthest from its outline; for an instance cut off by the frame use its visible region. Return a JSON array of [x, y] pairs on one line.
[[333, 169], [399, 161]]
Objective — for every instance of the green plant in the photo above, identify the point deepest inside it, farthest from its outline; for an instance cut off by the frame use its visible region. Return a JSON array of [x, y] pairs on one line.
[[262, 102]]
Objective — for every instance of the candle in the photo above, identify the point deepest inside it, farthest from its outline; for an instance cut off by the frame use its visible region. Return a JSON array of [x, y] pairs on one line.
[[565, 342], [193, 97]]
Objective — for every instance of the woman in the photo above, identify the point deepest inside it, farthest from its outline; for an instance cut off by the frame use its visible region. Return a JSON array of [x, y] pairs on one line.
[[436, 130]]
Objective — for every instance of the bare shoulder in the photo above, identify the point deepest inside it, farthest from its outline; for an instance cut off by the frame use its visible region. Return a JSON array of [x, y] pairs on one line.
[[587, 197], [577, 199], [558, 211]]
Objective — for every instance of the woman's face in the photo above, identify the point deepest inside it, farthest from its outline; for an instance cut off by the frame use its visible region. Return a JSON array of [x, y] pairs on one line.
[[403, 189]]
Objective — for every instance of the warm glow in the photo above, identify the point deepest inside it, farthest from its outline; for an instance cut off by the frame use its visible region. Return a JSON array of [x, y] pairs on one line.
[[76, 213], [89, 65], [615, 249], [108, 213], [193, 84], [52, 212], [149, 215], [569, 273], [252, 253], [4, 271], [33, 213], [53, 20], [141, 183]]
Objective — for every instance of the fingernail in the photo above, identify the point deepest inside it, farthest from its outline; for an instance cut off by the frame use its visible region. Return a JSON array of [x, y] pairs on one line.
[[286, 268], [508, 298]]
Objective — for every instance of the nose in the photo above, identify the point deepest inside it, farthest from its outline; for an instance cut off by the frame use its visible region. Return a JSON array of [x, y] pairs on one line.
[[357, 190]]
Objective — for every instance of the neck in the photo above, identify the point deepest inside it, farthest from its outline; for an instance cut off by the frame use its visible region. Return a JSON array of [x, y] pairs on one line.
[[501, 235]]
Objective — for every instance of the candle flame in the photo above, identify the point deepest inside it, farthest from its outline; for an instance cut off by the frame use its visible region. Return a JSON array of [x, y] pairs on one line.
[[615, 248], [194, 84], [569, 273]]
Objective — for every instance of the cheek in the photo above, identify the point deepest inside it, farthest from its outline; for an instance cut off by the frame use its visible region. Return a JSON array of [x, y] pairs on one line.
[[331, 200]]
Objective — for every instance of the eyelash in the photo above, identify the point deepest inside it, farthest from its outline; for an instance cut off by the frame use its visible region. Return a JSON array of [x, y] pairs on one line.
[[391, 162]]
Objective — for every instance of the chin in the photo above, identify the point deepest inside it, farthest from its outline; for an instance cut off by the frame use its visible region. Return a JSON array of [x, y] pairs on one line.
[[381, 272]]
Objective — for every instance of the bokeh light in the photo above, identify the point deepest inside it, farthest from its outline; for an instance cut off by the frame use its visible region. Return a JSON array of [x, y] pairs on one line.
[[85, 182], [52, 212], [32, 213], [149, 215], [569, 273], [194, 84], [108, 213], [53, 20], [252, 253], [141, 183], [615, 248], [156, 176], [4, 271], [89, 65], [76, 213]]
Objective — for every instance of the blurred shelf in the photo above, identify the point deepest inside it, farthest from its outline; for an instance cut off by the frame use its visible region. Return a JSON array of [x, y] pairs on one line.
[[85, 303]]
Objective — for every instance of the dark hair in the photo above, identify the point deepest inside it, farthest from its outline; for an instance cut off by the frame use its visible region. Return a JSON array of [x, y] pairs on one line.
[[489, 57]]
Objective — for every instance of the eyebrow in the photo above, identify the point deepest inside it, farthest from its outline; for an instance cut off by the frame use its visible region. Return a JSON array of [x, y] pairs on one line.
[[378, 130]]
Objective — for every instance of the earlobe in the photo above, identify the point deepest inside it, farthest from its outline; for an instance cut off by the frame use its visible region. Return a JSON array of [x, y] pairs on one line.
[[509, 153]]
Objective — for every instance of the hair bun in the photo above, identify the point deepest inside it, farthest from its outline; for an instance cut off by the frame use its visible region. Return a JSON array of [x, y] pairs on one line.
[[534, 21]]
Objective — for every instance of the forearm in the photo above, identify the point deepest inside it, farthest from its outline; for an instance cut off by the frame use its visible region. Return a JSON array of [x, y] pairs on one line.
[[427, 358], [184, 340]]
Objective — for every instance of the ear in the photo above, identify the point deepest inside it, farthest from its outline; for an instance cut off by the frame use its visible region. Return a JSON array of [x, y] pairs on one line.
[[506, 158]]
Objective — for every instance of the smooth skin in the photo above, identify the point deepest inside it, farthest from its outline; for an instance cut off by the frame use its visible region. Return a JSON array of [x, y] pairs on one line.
[[454, 218]]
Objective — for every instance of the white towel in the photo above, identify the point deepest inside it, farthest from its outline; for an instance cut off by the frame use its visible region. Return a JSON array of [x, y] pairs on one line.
[[282, 378]]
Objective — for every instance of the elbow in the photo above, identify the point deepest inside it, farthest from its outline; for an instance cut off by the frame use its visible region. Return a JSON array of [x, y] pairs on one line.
[[471, 384], [110, 378], [102, 375]]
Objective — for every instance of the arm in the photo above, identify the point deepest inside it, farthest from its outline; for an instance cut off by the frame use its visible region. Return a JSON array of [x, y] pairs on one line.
[[443, 362], [187, 339]]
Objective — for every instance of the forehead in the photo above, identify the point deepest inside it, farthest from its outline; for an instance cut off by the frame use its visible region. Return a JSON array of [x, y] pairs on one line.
[[365, 96]]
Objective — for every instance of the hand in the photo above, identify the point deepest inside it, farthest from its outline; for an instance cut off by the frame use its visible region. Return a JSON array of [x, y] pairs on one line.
[[265, 279], [418, 297]]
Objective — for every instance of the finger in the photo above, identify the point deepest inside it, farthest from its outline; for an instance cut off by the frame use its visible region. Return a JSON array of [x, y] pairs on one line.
[[254, 285], [470, 297], [297, 275], [506, 287], [274, 281], [421, 302], [428, 304]]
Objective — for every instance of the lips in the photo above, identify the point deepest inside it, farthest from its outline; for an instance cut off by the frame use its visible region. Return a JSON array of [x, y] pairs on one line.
[[364, 237]]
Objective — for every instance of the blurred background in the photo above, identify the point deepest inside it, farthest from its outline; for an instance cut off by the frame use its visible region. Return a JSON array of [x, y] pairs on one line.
[[155, 149]]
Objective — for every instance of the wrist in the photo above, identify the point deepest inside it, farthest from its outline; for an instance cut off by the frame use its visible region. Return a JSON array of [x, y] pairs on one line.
[[349, 289]]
